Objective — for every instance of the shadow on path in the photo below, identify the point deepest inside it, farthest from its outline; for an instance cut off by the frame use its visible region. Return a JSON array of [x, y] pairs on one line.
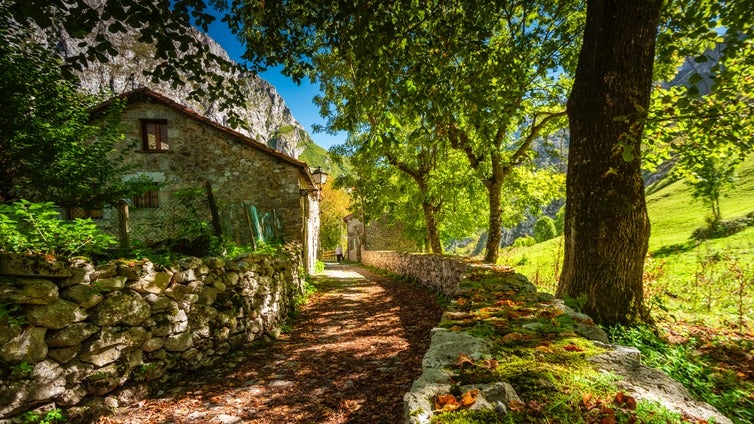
[[353, 352]]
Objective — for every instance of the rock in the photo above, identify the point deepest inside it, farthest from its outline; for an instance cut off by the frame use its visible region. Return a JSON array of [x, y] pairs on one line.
[[110, 345], [111, 284], [21, 265], [29, 346], [184, 276], [154, 283], [73, 335], [46, 381], [644, 383], [56, 315], [446, 345], [72, 396], [121, 308], [179, 342], [85, 295], [106, 379], [63, 355], [32, 291]]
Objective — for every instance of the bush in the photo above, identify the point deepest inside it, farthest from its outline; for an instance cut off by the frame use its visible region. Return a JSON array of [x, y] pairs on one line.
[[27, 227], [560, 221], [544, 229], [524, 241]]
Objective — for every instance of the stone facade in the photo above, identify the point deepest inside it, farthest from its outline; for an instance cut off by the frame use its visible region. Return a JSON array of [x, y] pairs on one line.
[[72, 333], [256, 189]]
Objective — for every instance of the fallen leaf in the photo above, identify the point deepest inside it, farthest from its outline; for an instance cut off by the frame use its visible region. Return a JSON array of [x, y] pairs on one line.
[[446, 403], [512, 337], [543, 349], [468, 398], [586, 399], [463, 360], [573, 348], [516, 405]]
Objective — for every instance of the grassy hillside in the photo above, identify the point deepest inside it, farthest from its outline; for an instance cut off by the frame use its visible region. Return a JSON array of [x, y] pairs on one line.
[[315, 156], [676, 259]]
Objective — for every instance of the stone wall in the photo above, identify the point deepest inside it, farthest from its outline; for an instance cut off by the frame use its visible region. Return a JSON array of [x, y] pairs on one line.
[[500, 294], [72, 333], [442, 273]]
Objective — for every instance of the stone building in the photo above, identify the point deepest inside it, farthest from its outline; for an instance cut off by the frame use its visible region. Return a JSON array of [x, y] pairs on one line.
[[261, 195]]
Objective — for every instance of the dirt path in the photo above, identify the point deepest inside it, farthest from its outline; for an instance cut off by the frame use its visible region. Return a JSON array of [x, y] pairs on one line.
[[351, 355]]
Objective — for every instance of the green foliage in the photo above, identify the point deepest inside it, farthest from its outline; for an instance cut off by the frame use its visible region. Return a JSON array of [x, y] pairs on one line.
[[544, 229], [21, 371], [524, 241], [560, 221], [49, 151], [319, 267], [484, 416], [10, 314], [50, 417], [680, 362], [37, 228]]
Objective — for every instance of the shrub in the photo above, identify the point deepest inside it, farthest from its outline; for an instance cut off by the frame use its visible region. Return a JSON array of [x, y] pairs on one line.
[[560, 221], [524, 241], [544, 229], [27, 227]]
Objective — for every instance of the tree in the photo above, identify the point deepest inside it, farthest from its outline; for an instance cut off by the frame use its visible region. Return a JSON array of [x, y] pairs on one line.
[[544, 229], [47, 152], [333, 208], [606, 225], [481, 74]]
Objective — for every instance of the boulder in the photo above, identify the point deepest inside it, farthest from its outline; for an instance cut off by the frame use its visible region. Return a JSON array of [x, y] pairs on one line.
[[56, 315], [121, 308], [85, 295], [31, 291], [73, 335], [29, 346]]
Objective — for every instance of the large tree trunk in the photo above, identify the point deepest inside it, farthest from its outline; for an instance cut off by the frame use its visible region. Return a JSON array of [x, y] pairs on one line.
[[494, 226], [606, 228], [433, 232]]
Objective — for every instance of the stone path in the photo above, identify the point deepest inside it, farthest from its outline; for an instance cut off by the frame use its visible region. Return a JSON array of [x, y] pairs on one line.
[[350, 356]]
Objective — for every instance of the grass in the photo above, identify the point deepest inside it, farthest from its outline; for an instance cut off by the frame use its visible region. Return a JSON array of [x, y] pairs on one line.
[[703, 310]]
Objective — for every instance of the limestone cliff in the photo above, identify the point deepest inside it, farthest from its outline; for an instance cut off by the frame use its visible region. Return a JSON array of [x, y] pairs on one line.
[[266, 115]]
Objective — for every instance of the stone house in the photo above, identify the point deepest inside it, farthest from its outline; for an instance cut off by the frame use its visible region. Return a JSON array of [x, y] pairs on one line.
[[261, 195]]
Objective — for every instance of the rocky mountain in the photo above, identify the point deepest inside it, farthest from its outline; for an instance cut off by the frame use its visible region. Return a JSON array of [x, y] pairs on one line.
[[264, 112]]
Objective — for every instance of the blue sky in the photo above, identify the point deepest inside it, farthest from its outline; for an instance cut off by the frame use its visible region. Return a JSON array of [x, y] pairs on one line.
[[298, 98]]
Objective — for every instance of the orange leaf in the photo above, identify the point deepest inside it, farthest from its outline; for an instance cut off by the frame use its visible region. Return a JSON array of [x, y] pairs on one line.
[[491, 364], [446, 403], [586, 398], [469, 397], [463, 360], [573, 348], [512, 337], [516, 405]]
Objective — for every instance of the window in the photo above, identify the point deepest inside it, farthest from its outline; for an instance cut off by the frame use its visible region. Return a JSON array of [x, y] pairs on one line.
[[154, 135], [150, 199]]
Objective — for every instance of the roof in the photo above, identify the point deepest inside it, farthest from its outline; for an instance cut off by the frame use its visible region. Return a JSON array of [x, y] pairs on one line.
[[146, 93]]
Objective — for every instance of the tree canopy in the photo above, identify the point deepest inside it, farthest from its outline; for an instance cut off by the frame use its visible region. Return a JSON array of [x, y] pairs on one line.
[[482, 77]]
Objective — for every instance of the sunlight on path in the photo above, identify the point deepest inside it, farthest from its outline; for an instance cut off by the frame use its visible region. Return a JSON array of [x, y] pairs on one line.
[[333, 270]]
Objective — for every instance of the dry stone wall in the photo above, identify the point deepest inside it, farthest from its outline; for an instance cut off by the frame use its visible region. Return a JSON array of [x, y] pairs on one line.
[[441, 273], [482, 290], [72, 333]]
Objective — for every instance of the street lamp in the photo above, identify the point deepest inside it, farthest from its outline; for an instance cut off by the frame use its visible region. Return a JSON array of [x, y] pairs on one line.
[[319, 177]]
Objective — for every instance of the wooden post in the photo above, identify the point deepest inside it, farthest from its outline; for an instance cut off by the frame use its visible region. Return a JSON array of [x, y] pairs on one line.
[[213, 210], [123, 225]]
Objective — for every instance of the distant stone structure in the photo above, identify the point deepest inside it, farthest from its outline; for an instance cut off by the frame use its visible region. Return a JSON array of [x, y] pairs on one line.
[[256, 190]]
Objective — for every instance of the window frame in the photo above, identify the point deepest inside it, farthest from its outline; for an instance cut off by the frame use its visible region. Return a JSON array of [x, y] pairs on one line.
[[161, 138], [147, 200]]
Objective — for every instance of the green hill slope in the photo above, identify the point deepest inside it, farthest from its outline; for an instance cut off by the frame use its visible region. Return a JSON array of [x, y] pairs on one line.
[[692, 280]]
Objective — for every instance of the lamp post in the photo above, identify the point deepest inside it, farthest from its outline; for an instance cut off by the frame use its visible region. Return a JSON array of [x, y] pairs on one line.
[[319, 177]]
